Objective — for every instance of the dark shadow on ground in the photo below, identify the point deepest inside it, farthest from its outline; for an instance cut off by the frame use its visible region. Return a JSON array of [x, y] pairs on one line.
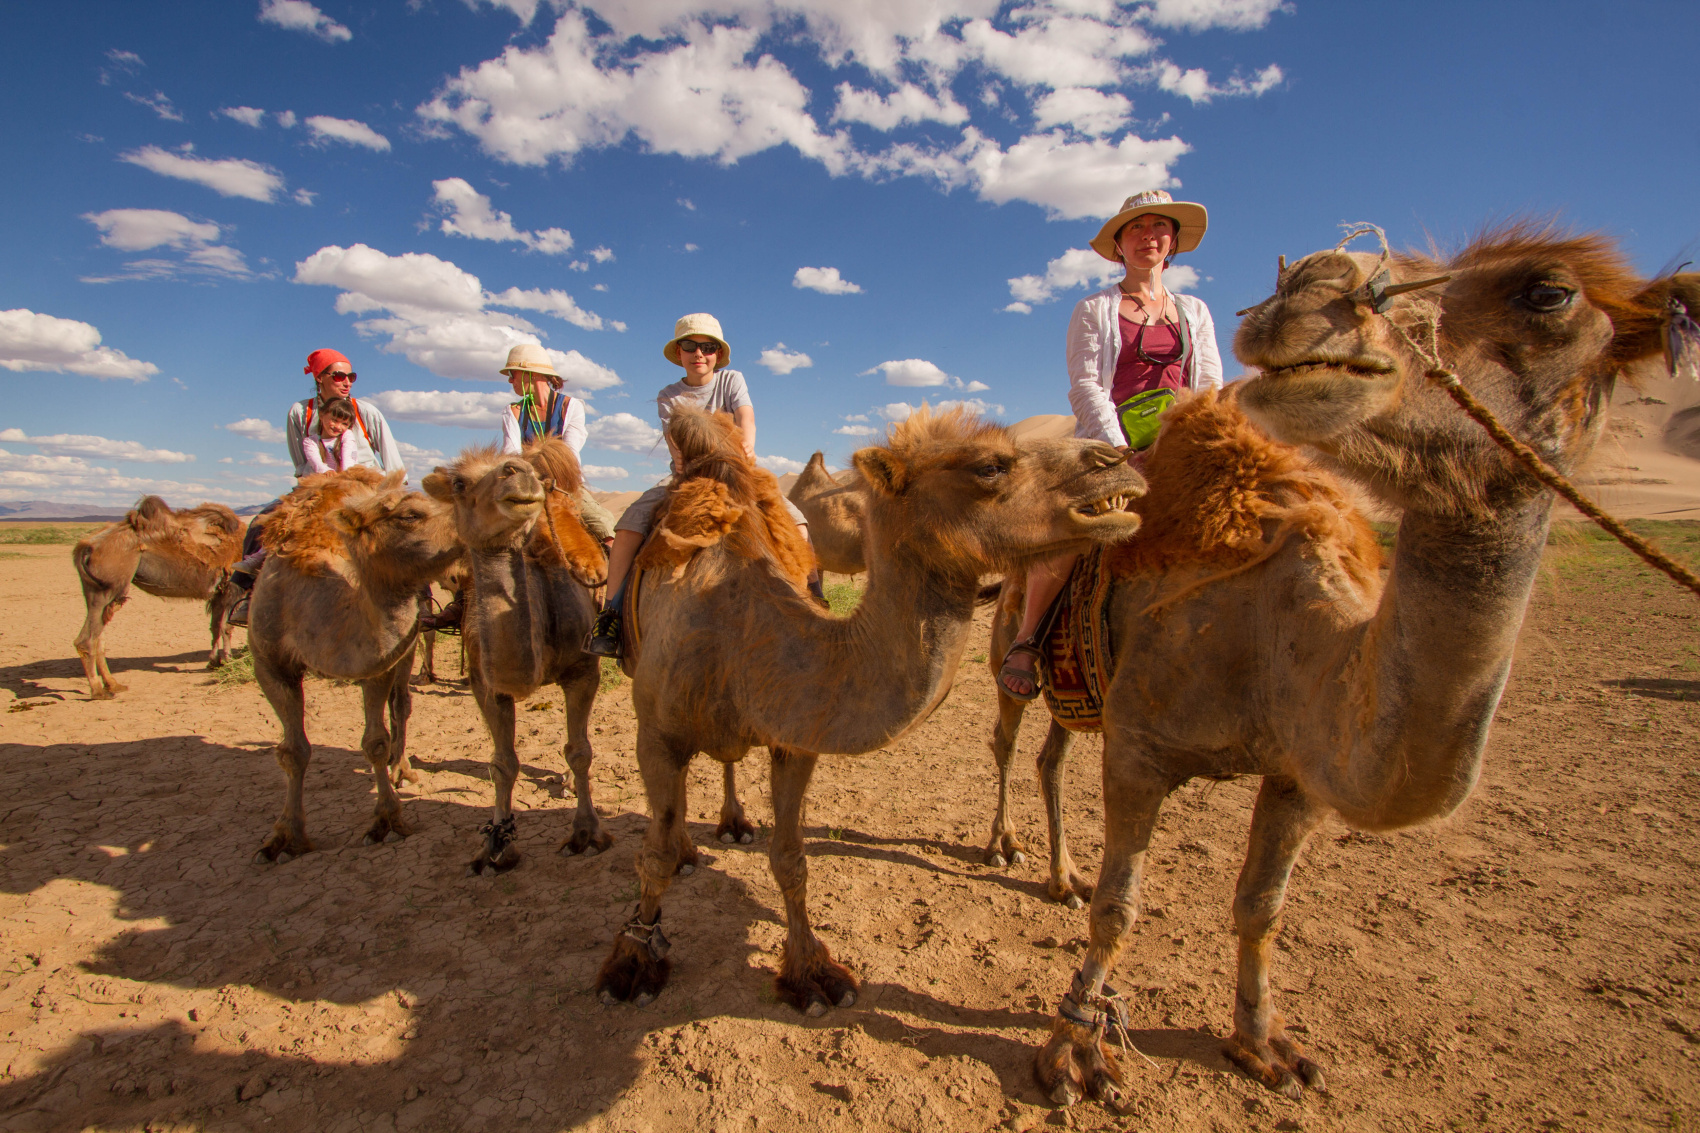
[[21, 679], [1659, 688]]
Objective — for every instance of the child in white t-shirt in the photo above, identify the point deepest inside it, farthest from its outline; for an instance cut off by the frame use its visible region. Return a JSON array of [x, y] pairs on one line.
[[699, 346]]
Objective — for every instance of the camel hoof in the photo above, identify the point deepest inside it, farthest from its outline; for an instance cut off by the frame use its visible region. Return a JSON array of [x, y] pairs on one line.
[[592, 850], [393, 836], [686, 869], [1064, 1093], [995, 860], [263, 858], [643, 999], [727, 838], [816, 1008], [746, 838], [607, 997], [848, 999], [1017, 858], [632, 972], [284, 857], [1073, 901], [567, 851]]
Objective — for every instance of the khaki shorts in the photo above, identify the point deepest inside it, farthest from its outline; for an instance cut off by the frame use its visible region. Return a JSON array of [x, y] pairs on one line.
[[640, 516], [598, 520]]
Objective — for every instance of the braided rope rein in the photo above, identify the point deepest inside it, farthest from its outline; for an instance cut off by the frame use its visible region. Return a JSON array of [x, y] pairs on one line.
[[1537, 465]]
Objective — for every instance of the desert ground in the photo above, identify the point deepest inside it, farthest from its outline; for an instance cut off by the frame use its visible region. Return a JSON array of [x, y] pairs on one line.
[[1531, 962]]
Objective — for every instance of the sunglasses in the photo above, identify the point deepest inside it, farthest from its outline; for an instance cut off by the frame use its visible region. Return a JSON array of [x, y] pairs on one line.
[[339, 377], [695, 346]]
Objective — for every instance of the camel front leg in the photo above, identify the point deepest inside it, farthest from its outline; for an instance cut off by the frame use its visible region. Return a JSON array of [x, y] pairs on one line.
[[578, 695], [378, 744], [283, 692], [218, 608], [734, 827], [1077, 1061], [1066, 886], [809, 978], [1282, 821], [401, 711], [1005, 847], [637, 967], [428, 658], [499, 852]]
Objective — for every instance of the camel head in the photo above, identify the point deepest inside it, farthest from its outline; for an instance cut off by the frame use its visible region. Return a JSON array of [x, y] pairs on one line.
[[1536, 323], [961, 492], [397, 537], [498, 504]]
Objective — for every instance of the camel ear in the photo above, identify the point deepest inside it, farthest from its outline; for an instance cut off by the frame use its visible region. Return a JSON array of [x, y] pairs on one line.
[[439, 485], [882, 470]]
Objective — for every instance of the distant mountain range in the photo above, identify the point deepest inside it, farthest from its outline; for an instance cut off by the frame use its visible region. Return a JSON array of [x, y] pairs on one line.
[[43, 511]]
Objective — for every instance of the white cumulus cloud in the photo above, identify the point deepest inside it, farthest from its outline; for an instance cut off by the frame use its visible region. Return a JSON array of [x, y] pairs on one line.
[[825, 280], [75, 444], [257, 429], [604, 472], [347, 131], [906, 105], [247, 115], [1195, 85], [782, 361], [911, 372], [780, 465], [471, 214], [228, 176], [624, 432], [856, 430], [137, 230], [443, 407], [1086, 110], [300, 15], [31, 341]]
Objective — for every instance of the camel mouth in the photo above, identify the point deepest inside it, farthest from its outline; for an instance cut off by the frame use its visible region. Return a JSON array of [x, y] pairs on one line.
[[1365, 369], [522, 500], [1114, 502]]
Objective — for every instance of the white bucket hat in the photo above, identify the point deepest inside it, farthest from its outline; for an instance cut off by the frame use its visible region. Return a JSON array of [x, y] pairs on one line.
[[699, 326], [1192, 219], [531, 358]]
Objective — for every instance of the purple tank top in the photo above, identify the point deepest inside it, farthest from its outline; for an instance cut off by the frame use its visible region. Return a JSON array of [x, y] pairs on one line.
[[1134, 374]]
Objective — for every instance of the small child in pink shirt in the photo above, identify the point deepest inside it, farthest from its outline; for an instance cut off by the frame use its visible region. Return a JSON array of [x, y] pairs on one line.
[[334, 449]]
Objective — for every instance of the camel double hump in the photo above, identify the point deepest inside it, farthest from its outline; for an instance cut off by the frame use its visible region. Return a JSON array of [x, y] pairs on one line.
[[169, 554], [727, 634], [348, 553], [834, 508], [533, 568], [1254, 633]]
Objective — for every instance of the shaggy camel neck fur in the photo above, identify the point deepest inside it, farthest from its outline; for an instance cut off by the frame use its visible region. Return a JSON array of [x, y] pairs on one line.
[[728, 637], [1253, 633], [169, 554], [833, 506], [339, 596], [533, 567]]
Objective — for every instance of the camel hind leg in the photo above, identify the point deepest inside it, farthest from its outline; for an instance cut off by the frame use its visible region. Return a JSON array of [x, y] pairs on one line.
[[809, 978], [218, 613], [1281, 822], [1005, 847], [638, 966], [90, 641], [578, 693], [734, 827], [401, 710], [1066, 885], [379, 744]]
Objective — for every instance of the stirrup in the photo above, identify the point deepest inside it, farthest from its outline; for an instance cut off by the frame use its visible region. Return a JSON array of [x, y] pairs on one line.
[[237, 615]]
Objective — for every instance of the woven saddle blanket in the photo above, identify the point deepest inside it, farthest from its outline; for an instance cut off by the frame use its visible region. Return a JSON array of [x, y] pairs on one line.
[[1075, 654]]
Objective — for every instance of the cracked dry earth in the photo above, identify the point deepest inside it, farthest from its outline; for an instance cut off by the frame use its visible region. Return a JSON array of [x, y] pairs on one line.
[[1533, 962]]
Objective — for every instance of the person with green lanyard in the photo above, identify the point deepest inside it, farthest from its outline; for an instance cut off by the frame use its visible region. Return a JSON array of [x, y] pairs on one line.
[[1132, 348], [543, 410]]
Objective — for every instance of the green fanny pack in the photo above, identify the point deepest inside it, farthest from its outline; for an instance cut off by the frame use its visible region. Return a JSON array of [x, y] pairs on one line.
[[1139, 416]]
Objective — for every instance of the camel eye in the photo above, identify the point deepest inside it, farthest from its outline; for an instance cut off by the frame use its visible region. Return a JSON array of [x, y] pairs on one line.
[[1546, 297], [992, 470], [460, 485]]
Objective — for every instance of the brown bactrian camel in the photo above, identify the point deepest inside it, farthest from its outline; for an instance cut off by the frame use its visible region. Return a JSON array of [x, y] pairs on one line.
[[726, 634], [169, 554], [1252, 628], [528, 612], [339, 596], [834, 508]]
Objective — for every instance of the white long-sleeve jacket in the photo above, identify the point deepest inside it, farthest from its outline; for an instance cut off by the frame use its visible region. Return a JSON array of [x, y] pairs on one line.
[[1094, 340]]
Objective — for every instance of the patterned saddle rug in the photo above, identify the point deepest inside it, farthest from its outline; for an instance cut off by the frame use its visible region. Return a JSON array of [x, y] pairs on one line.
[[1075, 653]]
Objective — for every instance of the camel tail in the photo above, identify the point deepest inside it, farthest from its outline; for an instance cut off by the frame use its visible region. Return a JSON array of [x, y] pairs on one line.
[[81, 555]]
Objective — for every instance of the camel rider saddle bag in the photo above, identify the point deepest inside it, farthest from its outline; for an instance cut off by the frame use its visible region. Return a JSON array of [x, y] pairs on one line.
[[1139, 414]]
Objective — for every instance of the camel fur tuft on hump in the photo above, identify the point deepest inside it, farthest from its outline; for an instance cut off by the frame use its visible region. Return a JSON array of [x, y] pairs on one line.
[[720, 495], [299, 531], [1216, 480], [203, 533]]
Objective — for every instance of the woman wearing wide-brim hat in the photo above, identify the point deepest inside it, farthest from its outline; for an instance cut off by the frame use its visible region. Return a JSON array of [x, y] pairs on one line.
[[1132, 348]]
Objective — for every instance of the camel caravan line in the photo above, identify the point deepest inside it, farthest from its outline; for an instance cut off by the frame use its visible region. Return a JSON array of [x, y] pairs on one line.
[[1233, 614]]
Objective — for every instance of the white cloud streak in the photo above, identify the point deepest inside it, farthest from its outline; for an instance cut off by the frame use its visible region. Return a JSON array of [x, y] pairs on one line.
[[825, 280], [346, 130], [257, 429], [73, 444], [44, 343], [299, 15], [247, 115], [471, 214], [229, 176], [782, 361]]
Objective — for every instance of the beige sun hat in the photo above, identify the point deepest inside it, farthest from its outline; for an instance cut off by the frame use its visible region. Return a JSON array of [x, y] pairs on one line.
[[1192, 219], [701, 326], [531, 358]]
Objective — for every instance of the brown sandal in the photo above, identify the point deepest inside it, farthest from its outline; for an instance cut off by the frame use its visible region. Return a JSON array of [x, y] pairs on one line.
[[1031, 676]]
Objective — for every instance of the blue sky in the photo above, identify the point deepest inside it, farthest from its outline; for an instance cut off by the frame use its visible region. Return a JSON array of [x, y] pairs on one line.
[[884, 201]]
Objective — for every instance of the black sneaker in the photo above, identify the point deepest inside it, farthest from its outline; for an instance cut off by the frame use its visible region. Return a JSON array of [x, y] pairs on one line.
[[604, 639], [238, 615]]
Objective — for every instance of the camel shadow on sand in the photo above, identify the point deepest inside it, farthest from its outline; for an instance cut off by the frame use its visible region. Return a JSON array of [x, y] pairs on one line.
[[1659, 688], [361, 984], [21, 680]]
